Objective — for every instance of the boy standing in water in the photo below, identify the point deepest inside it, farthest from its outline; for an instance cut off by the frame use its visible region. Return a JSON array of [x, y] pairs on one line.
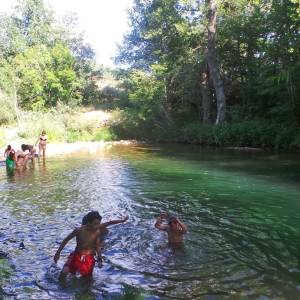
[[174, 228], [87, 242]]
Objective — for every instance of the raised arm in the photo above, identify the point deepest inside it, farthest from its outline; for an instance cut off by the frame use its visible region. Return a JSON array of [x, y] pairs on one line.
[[63, 244], [159, 223], [114, 222], [182, 225]]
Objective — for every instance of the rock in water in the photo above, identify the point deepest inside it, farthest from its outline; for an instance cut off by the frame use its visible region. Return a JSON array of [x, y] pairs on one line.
[[3, 254]]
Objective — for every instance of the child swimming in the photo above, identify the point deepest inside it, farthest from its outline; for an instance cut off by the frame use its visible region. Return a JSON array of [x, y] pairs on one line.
[[87, 243], [174, 228]]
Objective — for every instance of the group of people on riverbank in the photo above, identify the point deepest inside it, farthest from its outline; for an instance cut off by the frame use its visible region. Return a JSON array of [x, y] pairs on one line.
[[18, 159], [89, 241]]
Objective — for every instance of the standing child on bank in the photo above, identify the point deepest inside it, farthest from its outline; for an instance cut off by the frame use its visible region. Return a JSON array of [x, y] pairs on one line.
[[87, 243], [174, 228], [42, 140]]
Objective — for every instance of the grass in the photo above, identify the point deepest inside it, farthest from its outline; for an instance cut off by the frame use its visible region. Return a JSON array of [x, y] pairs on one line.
[[61, 125]]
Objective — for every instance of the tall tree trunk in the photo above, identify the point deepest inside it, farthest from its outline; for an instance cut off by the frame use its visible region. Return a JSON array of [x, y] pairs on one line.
[[211, 56], [206, 103], [166, 107], [15, 100]]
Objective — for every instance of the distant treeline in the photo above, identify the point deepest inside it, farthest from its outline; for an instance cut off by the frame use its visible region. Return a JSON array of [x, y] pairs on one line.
[[218, 72], [198, 63]]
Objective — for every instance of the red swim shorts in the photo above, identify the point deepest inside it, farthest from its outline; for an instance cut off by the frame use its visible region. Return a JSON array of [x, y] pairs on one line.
[[82, 263]]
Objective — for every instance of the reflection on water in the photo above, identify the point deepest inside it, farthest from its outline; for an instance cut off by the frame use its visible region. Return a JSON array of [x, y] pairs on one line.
[[242, 213]]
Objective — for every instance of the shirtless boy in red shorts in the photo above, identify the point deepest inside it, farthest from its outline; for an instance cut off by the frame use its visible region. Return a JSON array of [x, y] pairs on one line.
[[87, 242]]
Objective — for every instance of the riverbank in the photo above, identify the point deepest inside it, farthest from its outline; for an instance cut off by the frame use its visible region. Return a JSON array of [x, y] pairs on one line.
[[239, 134], [85, 126], [68, 148], [62, 125], [92, 147]]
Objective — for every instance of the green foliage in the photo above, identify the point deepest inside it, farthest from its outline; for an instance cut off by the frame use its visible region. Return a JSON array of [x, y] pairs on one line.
[[32, 124], [256, 133], [258, 46], [62, 125], [8, 113], [42, 62], [2, 138], [6, 77], [48, 69], [103, 134], [46, 76]]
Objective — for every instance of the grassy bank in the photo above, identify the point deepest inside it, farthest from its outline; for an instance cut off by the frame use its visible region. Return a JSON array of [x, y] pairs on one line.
[[64, 124], [61, 124]]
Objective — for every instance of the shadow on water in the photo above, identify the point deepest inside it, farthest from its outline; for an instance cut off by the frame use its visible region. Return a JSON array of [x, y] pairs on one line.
[[241, 210]]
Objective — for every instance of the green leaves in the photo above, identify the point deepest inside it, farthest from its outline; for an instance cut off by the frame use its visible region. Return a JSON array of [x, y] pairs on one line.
[[258, 46], [42, 62]]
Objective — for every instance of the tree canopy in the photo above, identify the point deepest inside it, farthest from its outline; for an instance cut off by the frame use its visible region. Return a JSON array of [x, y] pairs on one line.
[[255, 48], [42, 61]]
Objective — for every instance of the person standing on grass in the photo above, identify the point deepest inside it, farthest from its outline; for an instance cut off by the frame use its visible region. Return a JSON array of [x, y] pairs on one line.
[[42, 140]]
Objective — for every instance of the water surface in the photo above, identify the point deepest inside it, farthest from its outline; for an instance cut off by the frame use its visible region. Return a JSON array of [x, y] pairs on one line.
[[242, 211]]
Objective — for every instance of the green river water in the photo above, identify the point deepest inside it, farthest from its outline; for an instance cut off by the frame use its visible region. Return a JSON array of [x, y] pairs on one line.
[[242, 210]]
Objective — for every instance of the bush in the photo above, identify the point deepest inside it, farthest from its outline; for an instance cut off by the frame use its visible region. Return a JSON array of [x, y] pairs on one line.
[[32, 124], [8, 114], [104, 134], [62, 125], [78, 136], [254, 133], [2, 138]]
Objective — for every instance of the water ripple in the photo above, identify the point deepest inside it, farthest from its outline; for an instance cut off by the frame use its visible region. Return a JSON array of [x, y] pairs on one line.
[[242, 239]]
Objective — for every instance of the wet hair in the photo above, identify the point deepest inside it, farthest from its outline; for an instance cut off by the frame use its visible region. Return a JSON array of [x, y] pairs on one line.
[[8, 147], [24, 147], [171, 219], [90, 217]]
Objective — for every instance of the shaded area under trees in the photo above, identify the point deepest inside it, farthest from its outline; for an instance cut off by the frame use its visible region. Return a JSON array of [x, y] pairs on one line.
[[199, 62]]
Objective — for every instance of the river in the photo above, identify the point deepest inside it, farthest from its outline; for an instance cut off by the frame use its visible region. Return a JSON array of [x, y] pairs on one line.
[[242, 210]]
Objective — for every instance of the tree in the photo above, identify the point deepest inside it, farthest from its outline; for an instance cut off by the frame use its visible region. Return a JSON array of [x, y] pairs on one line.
[[211, 57], [49, 63], [46, 76]]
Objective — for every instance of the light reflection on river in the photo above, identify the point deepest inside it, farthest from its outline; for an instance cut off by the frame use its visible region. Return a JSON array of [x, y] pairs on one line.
[[242, 212]]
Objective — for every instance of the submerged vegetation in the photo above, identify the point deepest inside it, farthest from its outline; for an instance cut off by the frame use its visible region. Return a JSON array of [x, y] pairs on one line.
[[208, 72]]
